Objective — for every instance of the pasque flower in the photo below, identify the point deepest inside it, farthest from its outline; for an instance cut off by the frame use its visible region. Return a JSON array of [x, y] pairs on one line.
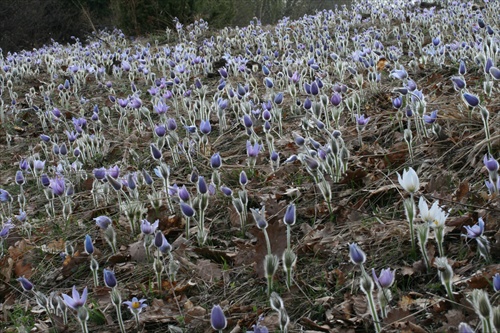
[[25, 283], [476, 230], [409, 181], [57, 185], [470, 99], [136, 305], [103, 222], [357, 255], [290, 215], [76, 301], [385, 279], [496, 282], [109, 278], [149, 228], [217, 318], [88, 245]]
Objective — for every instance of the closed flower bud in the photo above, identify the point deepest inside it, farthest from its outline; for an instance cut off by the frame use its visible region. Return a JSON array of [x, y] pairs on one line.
[[89, 247], [357, 255], [217, 318], [290, 215], [110, 278]]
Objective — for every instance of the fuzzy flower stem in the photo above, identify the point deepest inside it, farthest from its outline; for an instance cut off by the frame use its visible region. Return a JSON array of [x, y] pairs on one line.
[[268, 243], [117, 300]]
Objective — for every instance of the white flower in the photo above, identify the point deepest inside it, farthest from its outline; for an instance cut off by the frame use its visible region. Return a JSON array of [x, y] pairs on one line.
[[434, 216], [409, 181]]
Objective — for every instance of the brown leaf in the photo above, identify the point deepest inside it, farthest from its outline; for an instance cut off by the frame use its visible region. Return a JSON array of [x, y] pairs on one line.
[[455, 317], [208, 271], [137, 251], [462, 191]]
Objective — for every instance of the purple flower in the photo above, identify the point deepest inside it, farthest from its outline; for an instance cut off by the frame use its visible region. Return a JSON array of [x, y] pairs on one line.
[[215, 161], [160, 130], [290, 215], [399, 74], [136, 305], [268, 82], [22, 216], [114, 171], [314, 88], [155, 152], [260, 217], [183, 194], [385, 279], [4, 232], [357, 255], [161, 108], [470, 99], [298, 139], [205, 127], [147, 177], [496, 282], [223, 72], [57, 186], [458, 83], [38, 165], [217, 318], [432, 118], [476, 230], [88, 245], [25, 283], [122, 102], [161, 242], [45, 138], [171, 124], [243, 178], [187, 210], [495, 72], [490, 163], [278, 99], [253, 151], [100, 173], [24, 165], [147, 228], [307, 104], [76, 301], [109, 278], [45, 180], [397, 102], [201, 185], [226, 191], [103, 222], [135, 103], [336, 99], [465, 328], [462, 69], [361, 120], [19, 177], [222, 103]]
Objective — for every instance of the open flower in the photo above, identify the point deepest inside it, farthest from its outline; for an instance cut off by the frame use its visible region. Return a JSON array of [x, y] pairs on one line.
[[76, 301], [136, 305], [476, 230], [149, 228]]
